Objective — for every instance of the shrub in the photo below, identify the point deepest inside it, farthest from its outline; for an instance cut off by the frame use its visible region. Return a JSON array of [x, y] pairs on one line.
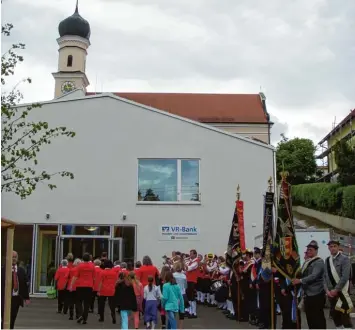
[[326, 197]]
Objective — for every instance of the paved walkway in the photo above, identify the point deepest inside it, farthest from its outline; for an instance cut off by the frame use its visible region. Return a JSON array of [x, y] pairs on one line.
[[41, 314]]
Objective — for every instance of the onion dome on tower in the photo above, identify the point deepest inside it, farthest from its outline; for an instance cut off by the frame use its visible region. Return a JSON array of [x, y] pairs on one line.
[[75, 25]]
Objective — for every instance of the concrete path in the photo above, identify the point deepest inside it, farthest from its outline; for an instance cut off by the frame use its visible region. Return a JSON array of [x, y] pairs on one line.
[[41, 314]]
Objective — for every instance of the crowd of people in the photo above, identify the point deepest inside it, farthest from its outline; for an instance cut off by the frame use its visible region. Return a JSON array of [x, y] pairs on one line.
[[173, 293], [169, 295]]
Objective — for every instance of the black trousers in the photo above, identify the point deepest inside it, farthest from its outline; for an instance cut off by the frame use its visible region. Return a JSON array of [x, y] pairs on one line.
[[253, 304], [111, 304], [314, 307], [234, 299], [339, 318], [92, 306], [62, 297], [16, 302], [84, 297], [286, 303], [190, 292], [71, 302], [265, 302]]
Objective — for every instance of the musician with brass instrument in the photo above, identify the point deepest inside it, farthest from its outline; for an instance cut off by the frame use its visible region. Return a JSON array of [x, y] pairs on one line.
[[221, 294], [200, 277], [246, 306], [211, 271]]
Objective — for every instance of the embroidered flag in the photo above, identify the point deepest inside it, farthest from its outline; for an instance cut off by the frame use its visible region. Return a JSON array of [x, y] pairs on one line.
[[286, 258], [266, 256], [234, 251]]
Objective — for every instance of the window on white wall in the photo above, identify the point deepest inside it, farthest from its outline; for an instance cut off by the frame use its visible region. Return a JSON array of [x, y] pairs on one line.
[[169, 180]]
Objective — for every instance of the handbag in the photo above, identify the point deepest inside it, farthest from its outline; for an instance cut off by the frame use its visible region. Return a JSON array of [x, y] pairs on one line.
[[52, 292]]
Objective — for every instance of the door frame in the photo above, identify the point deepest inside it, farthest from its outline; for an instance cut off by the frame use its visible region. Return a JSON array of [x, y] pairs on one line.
[[111, 245], [41, 233]]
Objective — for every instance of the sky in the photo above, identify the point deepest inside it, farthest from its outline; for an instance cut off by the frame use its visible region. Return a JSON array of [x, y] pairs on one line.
[[301, 54]]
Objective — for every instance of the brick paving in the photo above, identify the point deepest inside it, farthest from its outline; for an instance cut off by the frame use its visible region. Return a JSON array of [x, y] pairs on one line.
[[41, 314]]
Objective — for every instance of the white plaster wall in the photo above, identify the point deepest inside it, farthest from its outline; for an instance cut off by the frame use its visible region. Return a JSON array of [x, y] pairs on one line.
[[111, 136]]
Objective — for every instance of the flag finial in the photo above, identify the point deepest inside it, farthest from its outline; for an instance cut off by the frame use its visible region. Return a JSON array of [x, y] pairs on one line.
[[270, 184], [284, 174], [238, 192]]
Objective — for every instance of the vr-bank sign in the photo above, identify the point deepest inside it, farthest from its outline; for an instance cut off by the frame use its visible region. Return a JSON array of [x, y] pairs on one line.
[[179, 232]]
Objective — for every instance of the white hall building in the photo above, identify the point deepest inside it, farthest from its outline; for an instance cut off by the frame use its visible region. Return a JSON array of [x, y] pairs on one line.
[[141, 174]]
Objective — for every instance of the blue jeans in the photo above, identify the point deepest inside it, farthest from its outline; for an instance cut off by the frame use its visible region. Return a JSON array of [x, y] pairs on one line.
[[124, 319], [171, 320]]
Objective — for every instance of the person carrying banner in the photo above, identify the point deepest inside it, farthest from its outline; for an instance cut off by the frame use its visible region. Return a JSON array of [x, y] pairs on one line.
[[288, 303], [254, 288], [246, 293], [337, 274], [312, 280]]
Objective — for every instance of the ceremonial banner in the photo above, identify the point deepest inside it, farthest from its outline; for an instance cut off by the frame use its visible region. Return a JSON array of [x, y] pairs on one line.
[[240, 210], [286, 257], [234, 248], [266, 265]]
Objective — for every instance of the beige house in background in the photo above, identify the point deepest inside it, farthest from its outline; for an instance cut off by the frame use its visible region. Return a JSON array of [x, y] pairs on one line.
[[243, 114]]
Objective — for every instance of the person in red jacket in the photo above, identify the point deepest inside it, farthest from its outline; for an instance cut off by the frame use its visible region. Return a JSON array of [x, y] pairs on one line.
[[192, 271], [71, 295], [61, 279], [124, 268], [106, 290], [146, 270], [97, 281], [84, 281]]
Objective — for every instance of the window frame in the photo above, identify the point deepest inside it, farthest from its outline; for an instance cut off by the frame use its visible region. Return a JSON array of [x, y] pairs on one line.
[[70, 61], [179, 182]]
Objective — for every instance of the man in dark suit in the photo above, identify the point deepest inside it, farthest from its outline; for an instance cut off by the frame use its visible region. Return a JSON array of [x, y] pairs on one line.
[[19, 290]]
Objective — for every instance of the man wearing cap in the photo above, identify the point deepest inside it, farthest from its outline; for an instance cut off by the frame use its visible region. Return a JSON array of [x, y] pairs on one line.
[[336, 283], [313, 287]]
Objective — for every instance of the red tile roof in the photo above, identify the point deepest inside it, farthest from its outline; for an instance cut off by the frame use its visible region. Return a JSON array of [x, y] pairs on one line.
[[205, 108]]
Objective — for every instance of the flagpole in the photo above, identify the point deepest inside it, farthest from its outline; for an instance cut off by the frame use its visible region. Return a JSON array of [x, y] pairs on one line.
[[237, 276], [272, 276]]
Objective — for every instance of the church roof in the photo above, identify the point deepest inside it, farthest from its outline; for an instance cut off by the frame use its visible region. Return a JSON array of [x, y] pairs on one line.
[[205, 108], [75, 25]]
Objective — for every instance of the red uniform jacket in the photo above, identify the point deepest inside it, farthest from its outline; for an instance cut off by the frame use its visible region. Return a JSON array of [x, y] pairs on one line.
[[97, 278], [144, 272], [72, 273], [61, 277], [108, 282], [191, 275], [85, 275]]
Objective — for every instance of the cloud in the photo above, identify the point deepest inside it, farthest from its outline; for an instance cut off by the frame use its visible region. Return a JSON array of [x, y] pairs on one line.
[[301, 53]]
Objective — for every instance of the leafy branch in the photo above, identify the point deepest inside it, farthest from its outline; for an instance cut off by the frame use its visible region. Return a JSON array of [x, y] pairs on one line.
[[21, 138]]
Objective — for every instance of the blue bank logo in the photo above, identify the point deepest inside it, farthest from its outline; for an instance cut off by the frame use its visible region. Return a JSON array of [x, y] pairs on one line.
[[179, 232]]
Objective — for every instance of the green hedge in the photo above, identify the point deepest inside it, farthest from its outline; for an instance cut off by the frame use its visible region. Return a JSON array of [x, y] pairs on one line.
[[326, 197]]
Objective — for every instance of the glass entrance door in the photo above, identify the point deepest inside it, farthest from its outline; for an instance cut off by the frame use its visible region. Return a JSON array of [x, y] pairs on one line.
[[46, 260], [116, 249], [95, 246]]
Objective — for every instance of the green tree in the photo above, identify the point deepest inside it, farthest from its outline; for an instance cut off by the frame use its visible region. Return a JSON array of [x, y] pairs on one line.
[[297, 157], [151, 196], [345, 160], [22, 138]]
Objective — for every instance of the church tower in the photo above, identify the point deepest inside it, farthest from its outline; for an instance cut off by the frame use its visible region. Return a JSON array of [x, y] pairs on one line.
[[73, 43]]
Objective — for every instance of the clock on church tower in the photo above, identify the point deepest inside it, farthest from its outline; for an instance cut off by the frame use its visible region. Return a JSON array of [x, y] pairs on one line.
[[73, 42], [67, 87]]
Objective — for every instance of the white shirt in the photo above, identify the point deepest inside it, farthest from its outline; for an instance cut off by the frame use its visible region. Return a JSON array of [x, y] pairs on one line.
[[15, 293]]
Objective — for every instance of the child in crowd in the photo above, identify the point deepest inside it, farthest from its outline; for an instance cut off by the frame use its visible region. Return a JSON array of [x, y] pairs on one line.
[[125, 299], [152, 297], [138, 291], [172, 300]]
